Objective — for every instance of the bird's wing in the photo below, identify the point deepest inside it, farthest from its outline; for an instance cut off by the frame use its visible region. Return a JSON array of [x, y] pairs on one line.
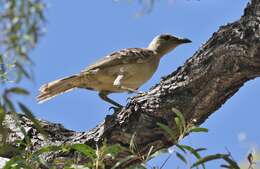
[[125, 56]]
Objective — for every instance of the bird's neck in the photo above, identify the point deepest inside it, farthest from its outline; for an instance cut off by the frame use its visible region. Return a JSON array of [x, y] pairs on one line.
[[160, 49]]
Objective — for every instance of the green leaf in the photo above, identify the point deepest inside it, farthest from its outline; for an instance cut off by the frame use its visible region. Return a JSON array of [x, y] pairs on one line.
[[200, 149], [206, 159], [225, 166], [178, 124], [193, 152], [181, 148], [85, 149], [2, 115], [113, 149], [8, 104], [181, 157], [213, 157], [47, 149], [198, 129], [233, 164], [22, 70], [180, 116], [16, 162], [1, 59], [167, 130], [18, 90]]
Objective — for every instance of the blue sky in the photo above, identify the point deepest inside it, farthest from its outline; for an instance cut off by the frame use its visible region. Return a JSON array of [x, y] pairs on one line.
[[80, 33]]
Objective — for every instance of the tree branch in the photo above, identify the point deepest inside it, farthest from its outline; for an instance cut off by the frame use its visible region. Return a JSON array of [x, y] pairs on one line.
[[206, 81]]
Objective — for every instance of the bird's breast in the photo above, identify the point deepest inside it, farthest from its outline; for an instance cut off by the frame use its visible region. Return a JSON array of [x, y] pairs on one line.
[[138, 74]]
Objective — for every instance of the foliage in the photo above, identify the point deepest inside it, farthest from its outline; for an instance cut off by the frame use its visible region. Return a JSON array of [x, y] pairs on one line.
[[181, 150], [21, 24], [35, 159], [97, 156]]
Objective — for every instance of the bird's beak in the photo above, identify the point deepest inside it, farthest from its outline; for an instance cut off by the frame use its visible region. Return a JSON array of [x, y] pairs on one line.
[[185, 40]]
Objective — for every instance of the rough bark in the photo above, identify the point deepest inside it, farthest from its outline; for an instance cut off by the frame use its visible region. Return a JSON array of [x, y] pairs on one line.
[[206, 81]]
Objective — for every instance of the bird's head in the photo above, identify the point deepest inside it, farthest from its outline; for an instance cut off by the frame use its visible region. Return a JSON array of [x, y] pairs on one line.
[[164, 43]]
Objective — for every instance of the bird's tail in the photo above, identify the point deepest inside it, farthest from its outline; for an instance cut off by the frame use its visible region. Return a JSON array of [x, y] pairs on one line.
[[52, 89]]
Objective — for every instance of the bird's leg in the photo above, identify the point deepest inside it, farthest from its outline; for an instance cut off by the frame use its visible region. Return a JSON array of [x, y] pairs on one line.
[[103, 95], [118, 83]]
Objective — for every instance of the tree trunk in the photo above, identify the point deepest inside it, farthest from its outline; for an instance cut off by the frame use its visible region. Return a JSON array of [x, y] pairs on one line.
[[206, 81]]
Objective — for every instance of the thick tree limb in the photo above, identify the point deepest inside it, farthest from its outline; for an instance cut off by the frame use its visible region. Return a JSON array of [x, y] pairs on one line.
[[206, 81]]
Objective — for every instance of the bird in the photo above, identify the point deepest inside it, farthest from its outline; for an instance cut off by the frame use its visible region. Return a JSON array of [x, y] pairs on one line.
[[121, 71]]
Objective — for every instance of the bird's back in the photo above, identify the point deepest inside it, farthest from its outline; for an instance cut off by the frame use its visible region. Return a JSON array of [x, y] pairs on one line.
[[124, 56]]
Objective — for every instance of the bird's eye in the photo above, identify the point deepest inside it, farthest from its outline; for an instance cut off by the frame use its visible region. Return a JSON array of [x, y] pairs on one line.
[[166, 37]]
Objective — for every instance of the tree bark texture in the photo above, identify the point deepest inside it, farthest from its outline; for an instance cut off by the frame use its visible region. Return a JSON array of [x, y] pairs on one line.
[[206, 81]]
